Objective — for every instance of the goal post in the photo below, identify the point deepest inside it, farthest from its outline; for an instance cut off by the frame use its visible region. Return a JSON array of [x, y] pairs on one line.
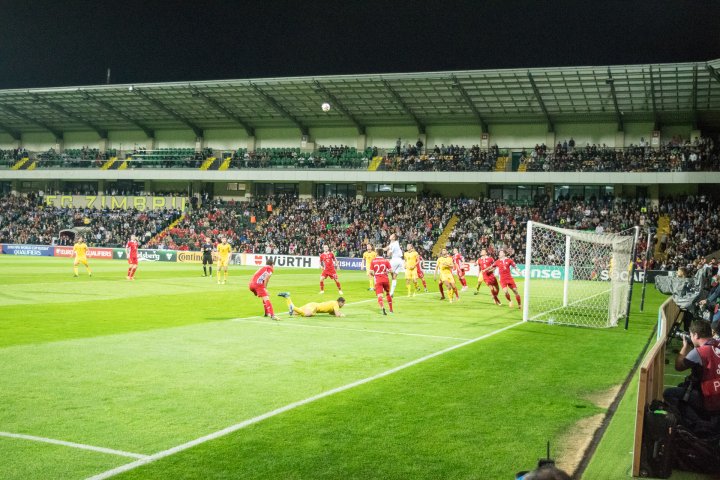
[[576, 277]]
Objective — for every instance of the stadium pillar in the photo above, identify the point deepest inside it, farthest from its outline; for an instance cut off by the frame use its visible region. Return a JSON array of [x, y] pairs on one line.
[[550, 140], [103, 145], [101, 187], [361, 142], [59, 145], [199, 144], [250, 144], [620, 139]]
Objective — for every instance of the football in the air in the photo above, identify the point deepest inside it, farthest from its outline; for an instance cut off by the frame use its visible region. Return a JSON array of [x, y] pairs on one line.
[[325, 107]]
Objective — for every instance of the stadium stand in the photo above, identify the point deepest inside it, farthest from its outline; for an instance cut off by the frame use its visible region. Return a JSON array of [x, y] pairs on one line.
[[289, 225]]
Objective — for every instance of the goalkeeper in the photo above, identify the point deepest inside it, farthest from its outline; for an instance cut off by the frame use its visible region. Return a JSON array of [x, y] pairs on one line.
[[331, 307]]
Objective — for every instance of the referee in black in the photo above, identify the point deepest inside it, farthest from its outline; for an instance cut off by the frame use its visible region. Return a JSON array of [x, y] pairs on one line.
[[207, 249]]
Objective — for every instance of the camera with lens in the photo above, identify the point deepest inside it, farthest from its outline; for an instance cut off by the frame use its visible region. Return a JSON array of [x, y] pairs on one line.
[[682, 336]]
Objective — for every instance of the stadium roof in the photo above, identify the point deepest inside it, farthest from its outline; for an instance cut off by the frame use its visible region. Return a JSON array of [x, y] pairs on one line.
[[659, 93]]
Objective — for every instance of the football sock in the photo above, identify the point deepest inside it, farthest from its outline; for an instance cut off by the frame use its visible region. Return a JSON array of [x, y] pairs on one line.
[[392, 286], [380, 301], [463, 281], [517, 297], [389, 300], [129, 271], [371, 282], [204, 270], [338, 285], [211, 270], [322, 285], [442, 291], [455, 290], [268, 307], [226, 273], [424, 283], [507, 295]]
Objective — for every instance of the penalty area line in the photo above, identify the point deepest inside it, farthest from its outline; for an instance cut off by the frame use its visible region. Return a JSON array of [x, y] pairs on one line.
[[329, 327], [291, 406], [72, 444]]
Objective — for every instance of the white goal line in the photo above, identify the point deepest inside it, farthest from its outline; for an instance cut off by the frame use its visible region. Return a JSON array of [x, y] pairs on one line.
[[64, 443], [246, 423]]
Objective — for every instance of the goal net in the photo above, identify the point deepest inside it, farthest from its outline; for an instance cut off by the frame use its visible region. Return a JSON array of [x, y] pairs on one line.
[[575, 277]]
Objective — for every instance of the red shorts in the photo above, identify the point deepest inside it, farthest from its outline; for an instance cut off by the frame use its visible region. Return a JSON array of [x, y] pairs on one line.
[[133, 260], [460, 273], [259, 290], [507, 282], [329, 274], [382, 284], [420, 272], [490, 280]]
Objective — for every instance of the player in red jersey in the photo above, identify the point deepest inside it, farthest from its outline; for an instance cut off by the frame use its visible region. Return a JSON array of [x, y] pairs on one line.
[[131, 250], [486, 274], [458, 261], [258, 286], [379, 269], [328, 263], [420, 273], [504, 265]]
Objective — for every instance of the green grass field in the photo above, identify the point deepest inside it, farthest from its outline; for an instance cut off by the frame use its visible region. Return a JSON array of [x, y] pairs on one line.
[[175, 376]]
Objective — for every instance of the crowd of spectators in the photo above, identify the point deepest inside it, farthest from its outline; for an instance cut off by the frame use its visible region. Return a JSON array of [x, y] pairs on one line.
[[27, 220], [287, 224], [701, 154]]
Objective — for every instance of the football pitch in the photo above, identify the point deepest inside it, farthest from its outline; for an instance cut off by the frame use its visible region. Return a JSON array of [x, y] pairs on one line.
[[175, 376]]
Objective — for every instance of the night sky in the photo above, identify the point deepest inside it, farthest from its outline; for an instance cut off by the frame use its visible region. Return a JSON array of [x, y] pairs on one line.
[[73, 42]]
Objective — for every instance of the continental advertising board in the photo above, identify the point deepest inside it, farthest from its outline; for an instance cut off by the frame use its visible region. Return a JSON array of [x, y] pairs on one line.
[[116, 202]]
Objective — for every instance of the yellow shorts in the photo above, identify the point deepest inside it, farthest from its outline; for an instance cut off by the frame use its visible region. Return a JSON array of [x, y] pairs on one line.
[[447, 278], [411, 274], [223, 262], [81, 260]]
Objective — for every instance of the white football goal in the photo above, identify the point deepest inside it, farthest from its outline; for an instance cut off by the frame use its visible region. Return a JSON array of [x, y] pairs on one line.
[[576, 277]]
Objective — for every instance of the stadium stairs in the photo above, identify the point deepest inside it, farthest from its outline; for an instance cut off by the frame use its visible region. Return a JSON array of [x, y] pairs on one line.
[[444, 236], [375, 163], [156, 239], [225, 164], [210, 164], [663, 233], [21, 164], [109, 164], [501, 165]]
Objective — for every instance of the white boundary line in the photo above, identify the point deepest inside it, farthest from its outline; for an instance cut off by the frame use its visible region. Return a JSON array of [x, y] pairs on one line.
[[72, 444], [304, 325], [246, 423]]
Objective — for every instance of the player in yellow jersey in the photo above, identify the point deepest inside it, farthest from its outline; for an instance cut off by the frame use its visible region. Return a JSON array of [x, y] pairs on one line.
[[310, 309], [366, 261], [444, 267], [411, 277], [80, 254], [223, 250]]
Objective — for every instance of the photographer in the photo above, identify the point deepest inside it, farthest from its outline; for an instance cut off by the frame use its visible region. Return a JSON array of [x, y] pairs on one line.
[[699, 396]]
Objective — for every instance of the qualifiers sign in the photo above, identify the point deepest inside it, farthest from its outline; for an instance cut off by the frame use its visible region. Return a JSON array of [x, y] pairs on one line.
[[115, 202], [29, 250], [92, 252]]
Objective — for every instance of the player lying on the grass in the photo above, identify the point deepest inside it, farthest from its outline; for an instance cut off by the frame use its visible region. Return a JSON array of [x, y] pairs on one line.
[[444, 268], [380, 267], [331, 307], [80, 254], [367, 257], [486, 274]]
